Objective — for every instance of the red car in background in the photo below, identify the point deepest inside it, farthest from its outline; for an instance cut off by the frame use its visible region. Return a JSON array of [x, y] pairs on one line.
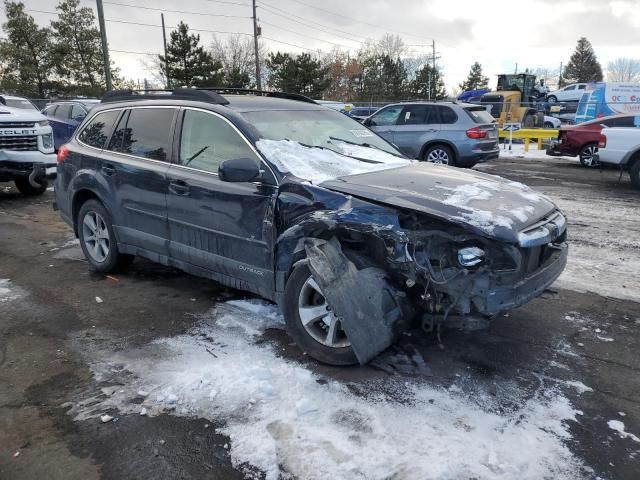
[[582, 139]]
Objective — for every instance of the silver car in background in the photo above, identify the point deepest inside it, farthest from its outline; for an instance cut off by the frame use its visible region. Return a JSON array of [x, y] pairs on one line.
[[458, 134]]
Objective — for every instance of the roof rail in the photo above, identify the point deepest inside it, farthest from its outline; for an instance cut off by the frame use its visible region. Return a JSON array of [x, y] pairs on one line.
[[175, 94], [204, 94], [239, 91]]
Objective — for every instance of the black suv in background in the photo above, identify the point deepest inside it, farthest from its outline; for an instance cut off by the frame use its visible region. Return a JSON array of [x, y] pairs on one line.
[[275, 194]]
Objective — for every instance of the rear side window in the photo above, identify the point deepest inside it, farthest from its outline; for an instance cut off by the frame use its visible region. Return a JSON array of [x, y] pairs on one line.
[[63, 112], [208, 140], [77, 112], [622, 122], [447, 115], [144, 132], [479, 115], [96, 132]]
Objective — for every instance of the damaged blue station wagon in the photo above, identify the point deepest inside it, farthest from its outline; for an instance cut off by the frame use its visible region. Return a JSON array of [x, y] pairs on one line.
[[274, 194]]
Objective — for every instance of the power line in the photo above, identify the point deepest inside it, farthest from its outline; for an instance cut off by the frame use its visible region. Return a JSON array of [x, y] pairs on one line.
[[287, 43], [305, 35], [174, 11], [134, 53], [356, 20], [327, 29], [229, 3]]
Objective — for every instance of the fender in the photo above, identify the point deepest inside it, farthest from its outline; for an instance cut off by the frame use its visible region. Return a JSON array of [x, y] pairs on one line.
[[634, 151], [439, 141], [85, 180]]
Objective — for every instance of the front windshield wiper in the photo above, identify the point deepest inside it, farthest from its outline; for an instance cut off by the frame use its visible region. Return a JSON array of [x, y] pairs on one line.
[[364, 144], [364, 160]]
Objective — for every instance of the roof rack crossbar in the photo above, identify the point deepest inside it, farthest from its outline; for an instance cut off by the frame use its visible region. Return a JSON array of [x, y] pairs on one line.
[[203, 94]]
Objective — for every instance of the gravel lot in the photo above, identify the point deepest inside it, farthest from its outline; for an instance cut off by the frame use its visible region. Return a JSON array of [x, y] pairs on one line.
[[201, 381]]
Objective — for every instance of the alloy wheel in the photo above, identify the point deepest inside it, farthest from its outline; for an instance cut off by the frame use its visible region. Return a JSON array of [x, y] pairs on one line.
[[95, 235], [587, 156], [317, 317], [438, 155]]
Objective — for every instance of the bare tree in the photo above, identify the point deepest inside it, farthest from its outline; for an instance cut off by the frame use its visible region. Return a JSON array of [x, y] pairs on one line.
[[238, 61], [623, 70]]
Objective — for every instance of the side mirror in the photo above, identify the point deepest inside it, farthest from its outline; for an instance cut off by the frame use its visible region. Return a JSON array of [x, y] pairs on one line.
[[238, 170]]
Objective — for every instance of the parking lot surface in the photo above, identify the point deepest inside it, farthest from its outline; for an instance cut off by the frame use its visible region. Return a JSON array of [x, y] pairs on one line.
[[153, 373]]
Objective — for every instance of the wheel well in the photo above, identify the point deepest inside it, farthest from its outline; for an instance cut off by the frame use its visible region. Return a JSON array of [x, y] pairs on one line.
[[78, 200], [438, 142], [635, 158]]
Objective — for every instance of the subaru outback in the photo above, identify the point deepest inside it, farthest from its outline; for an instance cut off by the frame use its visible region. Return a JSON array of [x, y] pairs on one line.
[[274, 194]]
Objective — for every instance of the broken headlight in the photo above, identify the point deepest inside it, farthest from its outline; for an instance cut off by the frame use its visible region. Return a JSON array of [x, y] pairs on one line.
[[470, 256]]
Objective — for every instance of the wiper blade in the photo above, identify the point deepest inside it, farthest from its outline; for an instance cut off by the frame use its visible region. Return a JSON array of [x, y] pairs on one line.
[[195, 155], [364, 144], [364, 160]]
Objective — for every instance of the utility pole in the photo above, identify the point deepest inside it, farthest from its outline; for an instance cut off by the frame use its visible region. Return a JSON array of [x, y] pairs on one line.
[[560, 76], [256, 32], [433, 77], [516, 68], [166, 59], [105, 47]]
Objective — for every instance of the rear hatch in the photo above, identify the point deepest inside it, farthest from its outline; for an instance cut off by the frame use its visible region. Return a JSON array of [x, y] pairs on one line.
[[486, 129]]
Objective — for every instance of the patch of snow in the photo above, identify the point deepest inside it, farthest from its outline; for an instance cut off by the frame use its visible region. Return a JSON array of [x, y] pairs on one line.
[[484, 220], [106, 418], [8, 292], [463, 194], [279, 418], [605, 339], [319, 165], [618, 426]]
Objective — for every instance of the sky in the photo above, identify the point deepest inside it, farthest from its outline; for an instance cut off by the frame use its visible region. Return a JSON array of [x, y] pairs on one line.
[[497, 33]]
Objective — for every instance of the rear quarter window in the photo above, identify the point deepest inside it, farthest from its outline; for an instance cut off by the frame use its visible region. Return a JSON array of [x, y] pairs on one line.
[[96, 132], [479, 115], [447, 115]]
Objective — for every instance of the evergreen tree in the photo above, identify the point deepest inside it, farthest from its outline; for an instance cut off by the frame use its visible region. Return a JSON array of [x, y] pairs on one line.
[[429, 84], [475, 80], [383, 78], [301, 74], [583, 65], [25, 54], [78, 50], [188, 63]]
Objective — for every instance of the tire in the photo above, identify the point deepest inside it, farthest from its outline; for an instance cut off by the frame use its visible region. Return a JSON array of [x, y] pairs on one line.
[[529, 121], [586, 155], [552, 99], [25, 187], [301, 292], [102, 254], [440, 154], [634, 173], [548, 125]]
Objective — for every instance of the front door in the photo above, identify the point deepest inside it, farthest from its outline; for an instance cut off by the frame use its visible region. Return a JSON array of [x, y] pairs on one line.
[[383, 121], [417, 125], [135, 164], [224, 227]]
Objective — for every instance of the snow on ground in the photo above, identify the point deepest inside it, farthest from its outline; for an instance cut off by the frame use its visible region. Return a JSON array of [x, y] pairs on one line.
[[619, 427], [285, 420], [517, 151], [321, 164], [8, 291]]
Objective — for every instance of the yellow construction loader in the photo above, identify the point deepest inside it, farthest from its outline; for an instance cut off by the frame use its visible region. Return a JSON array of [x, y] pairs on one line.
[[515, 100]]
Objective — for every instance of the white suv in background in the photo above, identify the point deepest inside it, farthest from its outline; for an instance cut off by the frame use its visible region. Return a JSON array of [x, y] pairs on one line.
[[26, 146], [570, 93], [621, 147]]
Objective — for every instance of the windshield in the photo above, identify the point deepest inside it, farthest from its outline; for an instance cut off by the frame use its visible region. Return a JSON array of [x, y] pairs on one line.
[[479, 115], [19, 103], [316, 128]]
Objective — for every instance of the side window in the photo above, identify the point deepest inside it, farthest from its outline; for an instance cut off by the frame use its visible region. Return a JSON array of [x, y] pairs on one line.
[[63, 111], [386, 116], [582, 86], [144, 132], [431, 116], [571, 87], [50, 111], [622, 122], [77, 112], [413, 115], [447, 115], [207, 140], [96, 132]]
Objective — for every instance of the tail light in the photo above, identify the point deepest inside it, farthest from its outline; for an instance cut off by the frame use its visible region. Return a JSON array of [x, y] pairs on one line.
[[476, 132], [63, 153], [602, 143]]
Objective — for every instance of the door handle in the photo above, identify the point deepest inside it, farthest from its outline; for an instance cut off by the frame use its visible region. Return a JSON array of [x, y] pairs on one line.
[[108, 170], [179, 187]]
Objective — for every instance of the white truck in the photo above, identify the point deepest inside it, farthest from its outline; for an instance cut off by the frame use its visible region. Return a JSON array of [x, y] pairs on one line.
[[621, 147], [27, 155]]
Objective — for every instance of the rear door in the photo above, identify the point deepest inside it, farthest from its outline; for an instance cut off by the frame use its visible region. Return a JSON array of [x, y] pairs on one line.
[[384, 120], [225, 227], [417, 125], [135, 165]]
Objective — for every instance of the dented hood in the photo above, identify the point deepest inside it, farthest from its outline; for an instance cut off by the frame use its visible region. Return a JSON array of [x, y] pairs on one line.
[[485, 204]]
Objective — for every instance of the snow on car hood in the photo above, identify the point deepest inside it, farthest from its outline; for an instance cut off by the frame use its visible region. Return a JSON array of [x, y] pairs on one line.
[[9, 114], [318, 165], [487, 204]]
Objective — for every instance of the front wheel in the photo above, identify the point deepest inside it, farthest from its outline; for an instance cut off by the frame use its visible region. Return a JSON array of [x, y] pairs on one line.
[[26, 188], [634, 174], [552, 99], [97, 240], [588, 155], [311, 322], [439, 154]]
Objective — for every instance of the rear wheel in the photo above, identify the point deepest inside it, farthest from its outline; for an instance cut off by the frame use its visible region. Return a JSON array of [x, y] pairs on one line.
[[529, 121], [311, 322], [439, 154], [551, 99], [548, 125], [634, 173], [25, 187], [97, 240], [587, 155]]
